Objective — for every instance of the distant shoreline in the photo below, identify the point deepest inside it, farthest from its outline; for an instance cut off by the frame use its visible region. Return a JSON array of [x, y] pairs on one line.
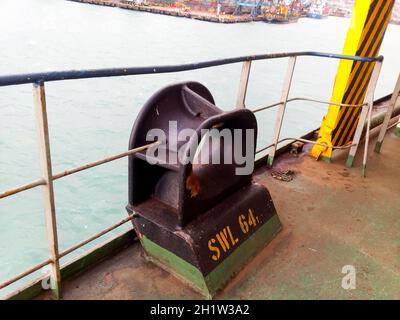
[[192, 14], [197, 15]]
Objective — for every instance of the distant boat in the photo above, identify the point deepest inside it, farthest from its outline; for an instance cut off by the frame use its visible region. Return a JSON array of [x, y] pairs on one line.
[[318, 10], [281, 13], [340, 12]]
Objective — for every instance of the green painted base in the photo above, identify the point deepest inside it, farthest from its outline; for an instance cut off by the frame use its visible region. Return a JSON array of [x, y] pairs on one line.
[[378, 147], [325, 159], [349, 161], [270, 160], [364, 170], [214, 281], [57, 292]]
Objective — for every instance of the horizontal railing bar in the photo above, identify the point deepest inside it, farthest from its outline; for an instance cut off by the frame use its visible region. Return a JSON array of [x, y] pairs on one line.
[[59, 175], [306, 141], [66, 252], [265, 148], [393, 125], [312, 100], [96, 236], [24, 187], [328, 102], [115, 72], [25, 273], [266, 107], [105, 160], [318, 143]]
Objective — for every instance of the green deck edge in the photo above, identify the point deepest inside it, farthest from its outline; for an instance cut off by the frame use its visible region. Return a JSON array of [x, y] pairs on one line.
[[218, 278], [81, 264]]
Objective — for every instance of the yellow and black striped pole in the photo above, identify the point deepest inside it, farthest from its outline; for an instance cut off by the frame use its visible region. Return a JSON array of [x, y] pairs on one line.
[[367, 29]]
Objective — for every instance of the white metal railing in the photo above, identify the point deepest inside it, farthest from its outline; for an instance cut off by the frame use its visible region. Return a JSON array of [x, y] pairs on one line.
[[394, 101], [48, 177], [366, 111]]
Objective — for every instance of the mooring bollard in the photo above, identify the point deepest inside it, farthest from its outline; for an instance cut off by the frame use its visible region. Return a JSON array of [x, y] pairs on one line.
[[199, 218]]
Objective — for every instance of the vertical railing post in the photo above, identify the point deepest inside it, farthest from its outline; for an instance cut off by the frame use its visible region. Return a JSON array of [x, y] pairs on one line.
[[244, 81], [392, 104], [48, 191], [366, 114], [282, 107]]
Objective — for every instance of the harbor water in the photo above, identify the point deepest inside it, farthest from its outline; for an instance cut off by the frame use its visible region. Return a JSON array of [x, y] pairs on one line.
[[91, 119]]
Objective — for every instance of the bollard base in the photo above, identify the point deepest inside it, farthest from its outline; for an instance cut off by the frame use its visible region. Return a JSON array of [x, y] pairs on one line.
[[210, 284], [211, 250]]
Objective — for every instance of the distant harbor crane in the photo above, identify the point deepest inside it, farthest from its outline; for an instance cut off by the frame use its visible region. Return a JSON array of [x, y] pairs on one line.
[[255, 6]]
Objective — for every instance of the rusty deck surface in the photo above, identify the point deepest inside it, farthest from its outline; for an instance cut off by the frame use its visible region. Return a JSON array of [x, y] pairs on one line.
[[332, 217]]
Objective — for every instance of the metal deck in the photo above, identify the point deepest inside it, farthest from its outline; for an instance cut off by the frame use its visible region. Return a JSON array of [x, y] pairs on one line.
[[332, 217]]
